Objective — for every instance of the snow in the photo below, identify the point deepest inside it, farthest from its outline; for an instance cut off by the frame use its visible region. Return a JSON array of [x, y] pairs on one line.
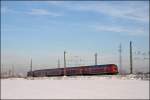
[[79, 87]]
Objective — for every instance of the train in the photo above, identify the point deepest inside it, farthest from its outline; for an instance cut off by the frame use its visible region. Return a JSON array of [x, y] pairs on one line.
[[109, 69]]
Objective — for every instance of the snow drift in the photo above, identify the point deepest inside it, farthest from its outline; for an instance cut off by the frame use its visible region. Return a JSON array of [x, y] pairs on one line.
[[78, 87]]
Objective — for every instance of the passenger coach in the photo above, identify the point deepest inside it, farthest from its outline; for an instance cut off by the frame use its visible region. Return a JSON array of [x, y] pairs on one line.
[[81, 70]]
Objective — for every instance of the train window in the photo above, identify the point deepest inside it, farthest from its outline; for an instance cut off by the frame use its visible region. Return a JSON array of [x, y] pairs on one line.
[[47, 72]]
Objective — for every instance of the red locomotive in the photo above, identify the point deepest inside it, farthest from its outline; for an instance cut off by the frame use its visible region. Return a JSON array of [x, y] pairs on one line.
[[81, 70]]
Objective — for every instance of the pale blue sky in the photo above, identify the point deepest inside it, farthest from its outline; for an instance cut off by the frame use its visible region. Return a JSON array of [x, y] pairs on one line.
[[43, 30]]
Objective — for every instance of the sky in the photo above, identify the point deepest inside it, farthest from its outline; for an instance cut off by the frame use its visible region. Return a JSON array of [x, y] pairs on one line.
[[43, 30]]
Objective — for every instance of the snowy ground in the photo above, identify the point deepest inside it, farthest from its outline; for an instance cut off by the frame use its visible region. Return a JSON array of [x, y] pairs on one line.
[[81, 87]]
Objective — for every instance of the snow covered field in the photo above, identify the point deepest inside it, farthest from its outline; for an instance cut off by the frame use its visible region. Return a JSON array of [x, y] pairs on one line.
[[81, 87]]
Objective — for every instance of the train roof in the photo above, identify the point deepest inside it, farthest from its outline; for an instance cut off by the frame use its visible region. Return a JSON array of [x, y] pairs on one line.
[[74, 67]]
